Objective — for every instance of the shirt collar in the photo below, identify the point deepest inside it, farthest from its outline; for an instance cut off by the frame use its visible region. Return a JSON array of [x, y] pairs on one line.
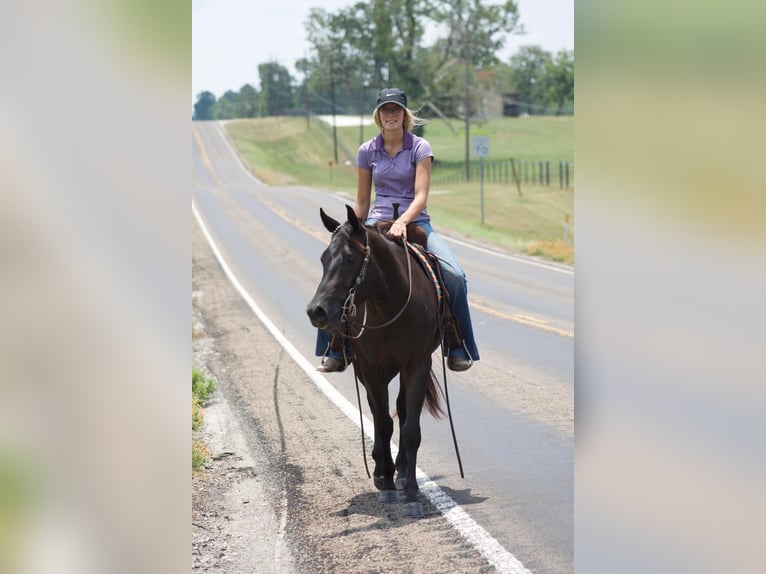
[[406, 144]]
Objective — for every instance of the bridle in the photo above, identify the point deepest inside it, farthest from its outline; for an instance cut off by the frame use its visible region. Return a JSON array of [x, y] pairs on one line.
[[349, 306]]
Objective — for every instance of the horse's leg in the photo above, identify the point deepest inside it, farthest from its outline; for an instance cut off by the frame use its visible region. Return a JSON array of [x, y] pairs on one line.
[[401, 457], [383, 475], [415, 392]]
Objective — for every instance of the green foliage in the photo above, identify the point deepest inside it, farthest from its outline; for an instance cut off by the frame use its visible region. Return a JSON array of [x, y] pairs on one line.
[[248, 102], [203, 108], [276, 89], [379, 44], [202, 386], [475, 30], [544, 83], [227, 107], [365, 46], [197, 417], [200, 455], [559, 80]]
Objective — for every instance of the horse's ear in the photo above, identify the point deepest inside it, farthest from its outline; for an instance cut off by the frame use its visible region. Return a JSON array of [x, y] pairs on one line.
[[352, 218], [330, 224]]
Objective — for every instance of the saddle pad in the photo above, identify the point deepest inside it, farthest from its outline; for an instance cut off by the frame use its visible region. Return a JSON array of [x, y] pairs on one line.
[[420, 254]]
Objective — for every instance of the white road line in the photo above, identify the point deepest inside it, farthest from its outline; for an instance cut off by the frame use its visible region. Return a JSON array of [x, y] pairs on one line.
[[479, 538], [510, 257]]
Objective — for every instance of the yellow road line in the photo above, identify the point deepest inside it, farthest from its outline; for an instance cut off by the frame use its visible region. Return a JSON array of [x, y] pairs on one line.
[[323, 238], [523, 319], [205, 158]]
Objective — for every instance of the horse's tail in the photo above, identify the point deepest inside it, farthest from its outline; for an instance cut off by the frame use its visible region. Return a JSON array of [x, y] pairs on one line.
[[433, 402]]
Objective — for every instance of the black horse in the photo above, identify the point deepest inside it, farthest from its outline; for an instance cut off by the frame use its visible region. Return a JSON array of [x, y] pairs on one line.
[[375, 293]]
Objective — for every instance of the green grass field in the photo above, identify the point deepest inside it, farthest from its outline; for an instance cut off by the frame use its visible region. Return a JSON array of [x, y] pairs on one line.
[[530, 138], [283, 151]]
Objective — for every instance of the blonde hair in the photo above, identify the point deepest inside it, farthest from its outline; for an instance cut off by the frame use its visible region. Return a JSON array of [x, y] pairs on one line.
[[410, 120]]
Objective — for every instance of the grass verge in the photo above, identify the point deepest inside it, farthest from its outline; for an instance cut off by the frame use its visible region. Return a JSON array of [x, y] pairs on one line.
[[202, 388], [540, 221]]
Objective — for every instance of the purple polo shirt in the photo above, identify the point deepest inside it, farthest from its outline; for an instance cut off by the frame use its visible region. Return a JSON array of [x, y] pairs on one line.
[[394, 179]]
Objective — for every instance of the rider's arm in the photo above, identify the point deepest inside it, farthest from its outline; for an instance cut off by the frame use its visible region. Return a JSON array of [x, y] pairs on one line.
[[422, 185], [363, 193]]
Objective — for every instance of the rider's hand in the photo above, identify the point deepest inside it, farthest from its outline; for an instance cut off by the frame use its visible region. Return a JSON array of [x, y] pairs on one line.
[[398, 229]]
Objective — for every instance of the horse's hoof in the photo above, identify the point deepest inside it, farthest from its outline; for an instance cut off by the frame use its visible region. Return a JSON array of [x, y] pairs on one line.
[[413, 510], [388, 496], [378, 481], [401, 483]]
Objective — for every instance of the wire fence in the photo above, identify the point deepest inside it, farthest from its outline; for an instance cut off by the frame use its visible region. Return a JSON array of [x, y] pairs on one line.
[[537, 172]]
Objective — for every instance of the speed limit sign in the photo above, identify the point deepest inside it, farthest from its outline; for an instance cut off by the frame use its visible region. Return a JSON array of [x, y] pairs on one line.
[[480, 146]]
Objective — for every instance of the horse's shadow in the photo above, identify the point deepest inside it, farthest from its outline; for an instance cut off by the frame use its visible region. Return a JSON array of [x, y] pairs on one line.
[[391, 515]]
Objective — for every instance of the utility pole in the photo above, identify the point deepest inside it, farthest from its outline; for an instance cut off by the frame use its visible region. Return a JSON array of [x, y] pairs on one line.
[[360, 103], [332, 96], [467, 101]]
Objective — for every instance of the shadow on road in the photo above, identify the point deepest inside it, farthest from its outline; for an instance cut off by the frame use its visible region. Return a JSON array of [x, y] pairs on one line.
[[390, 515]]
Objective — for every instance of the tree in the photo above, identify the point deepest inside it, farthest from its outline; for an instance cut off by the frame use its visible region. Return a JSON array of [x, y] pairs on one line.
[[476, 32], [203, 106], [248, 101], [476, 29], [559, 80], [529, 66], [543, 82], [227, 107], [276, 88], [381, 43], [342, 66]]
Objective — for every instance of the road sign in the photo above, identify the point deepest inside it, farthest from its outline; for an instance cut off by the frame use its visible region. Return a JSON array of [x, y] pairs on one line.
[[481, 150], [480, 146]]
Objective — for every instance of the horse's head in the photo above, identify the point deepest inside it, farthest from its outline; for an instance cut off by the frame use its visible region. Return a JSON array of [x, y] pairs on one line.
[[343, 265]]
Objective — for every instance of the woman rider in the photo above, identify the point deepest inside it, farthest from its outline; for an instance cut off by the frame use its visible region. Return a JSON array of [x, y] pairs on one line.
[[399, 163]]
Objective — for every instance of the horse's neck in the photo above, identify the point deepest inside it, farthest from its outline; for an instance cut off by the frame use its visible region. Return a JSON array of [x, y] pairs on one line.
[[388, 270]]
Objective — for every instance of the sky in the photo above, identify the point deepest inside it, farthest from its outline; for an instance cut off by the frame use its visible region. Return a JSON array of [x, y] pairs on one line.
[[231, 37]]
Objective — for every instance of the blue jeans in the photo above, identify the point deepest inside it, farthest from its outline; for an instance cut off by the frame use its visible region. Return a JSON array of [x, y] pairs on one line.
[[454, 281]]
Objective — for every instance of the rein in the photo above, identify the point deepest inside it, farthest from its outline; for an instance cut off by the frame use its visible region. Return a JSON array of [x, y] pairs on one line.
[[349, 311], [349, 306], [446, 396]]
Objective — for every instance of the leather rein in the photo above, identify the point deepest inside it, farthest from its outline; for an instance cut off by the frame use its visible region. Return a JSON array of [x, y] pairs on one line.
[[349, 306]]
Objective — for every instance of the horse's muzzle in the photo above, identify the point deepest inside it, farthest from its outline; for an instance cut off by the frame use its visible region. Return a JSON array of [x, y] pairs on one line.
[[318, 315]]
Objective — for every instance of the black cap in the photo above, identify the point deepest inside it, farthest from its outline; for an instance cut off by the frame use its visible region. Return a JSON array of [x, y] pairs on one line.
[[392, 96]]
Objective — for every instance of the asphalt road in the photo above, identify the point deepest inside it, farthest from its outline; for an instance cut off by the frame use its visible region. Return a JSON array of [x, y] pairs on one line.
[[513, 411]]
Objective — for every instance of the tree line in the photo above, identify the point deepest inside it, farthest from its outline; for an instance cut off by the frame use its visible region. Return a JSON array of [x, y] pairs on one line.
[[369, 45]]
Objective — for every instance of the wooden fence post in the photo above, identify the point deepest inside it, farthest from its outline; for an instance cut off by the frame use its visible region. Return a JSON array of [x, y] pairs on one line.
[[516, 177]]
